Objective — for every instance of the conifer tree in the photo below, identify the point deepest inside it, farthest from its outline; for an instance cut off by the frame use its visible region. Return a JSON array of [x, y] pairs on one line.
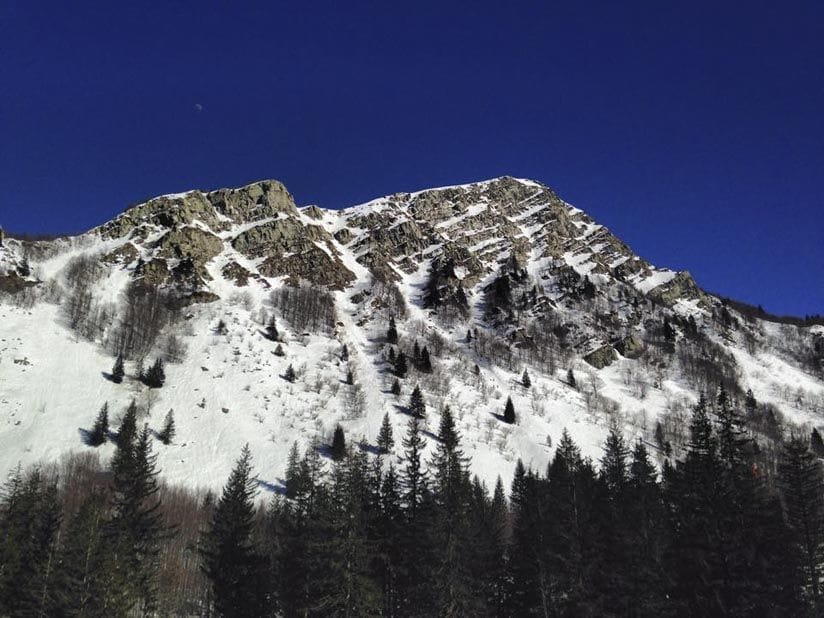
[[425, 364], [526, 382], [414, 580], [614, 519], [155, 377], [487, 561], [385, 439], [401, 365], [127, 431], [392, 332], [732, 441], [82, 560], [290, 375], [750, 404], [338, 449], [272, 330], [345, 586], [646, 526], [528, 580], [509, 411], [117, 370], [350, 378], [279, 350], [167, 434], [571, 378], [413, 475], [293, 473], [230, 559], [452, 493], [134, 532], [802, 480], [417, 406], [396, 388], [816, 443], [101, 427], [29, 521], [389, 548]]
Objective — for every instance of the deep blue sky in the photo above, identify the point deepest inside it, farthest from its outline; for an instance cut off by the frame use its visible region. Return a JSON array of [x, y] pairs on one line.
[[695, 133]]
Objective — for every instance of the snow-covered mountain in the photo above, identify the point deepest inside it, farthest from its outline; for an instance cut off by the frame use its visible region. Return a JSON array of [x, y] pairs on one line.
[[492, 278]]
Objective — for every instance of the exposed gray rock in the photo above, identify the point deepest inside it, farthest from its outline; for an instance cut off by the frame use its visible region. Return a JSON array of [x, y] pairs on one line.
[[682, 286], [190, 242], [313, 265], [630, 347], [602, 357]]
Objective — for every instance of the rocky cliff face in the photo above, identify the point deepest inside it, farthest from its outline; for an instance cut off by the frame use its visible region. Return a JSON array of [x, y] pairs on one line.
[[470, 247]]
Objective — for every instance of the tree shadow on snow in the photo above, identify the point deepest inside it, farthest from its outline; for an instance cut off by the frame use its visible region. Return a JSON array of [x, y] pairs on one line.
[[369, 448], [86, 436], [273, 488]]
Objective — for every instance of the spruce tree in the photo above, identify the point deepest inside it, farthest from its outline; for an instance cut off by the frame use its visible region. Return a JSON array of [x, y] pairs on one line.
[[388, 541], [646, 527], [413, 475], [425, 364], [452, 494], [392, 332], [29, 521], [338, 448], [525, 380], [816, 443], [117, 370], [167, 434], [385, 439], [344, 584], [135, 530], [571, 378], [127, 431], [293, 473], [750, 404], [155, 377], [487, 564], [101, 427], [230, 559], [801, 479], [290, 375], [82, 560], [509, 411], [417, 406], [279, 350], [272, 330], [396, 388], [414, 579], [613, 517], [527, 589], [400, 365]]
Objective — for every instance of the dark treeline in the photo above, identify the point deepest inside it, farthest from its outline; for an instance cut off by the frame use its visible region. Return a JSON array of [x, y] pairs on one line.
[[412, 536]]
